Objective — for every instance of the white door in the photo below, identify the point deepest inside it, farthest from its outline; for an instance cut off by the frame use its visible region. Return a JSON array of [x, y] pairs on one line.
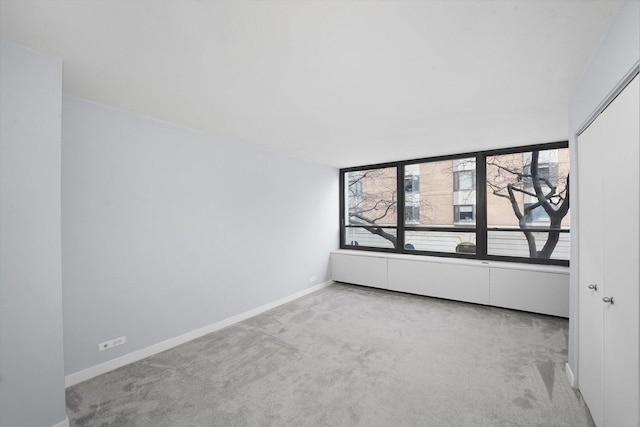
[[609, 214], [590, 279], [621, 256]]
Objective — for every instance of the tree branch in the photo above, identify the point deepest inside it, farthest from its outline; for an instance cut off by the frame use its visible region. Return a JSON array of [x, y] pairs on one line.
[[372, 228]]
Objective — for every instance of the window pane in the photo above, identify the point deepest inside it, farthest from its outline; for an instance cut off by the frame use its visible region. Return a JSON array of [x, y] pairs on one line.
[[524, 191], [441, 241], [358, 236], [512, 199], [515, 244], [438, 191], [370, 197]]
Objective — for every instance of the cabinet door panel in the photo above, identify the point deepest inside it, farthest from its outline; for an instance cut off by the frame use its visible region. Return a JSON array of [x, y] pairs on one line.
[[441, 280], [359, 270], [621, 254], [590, 351]]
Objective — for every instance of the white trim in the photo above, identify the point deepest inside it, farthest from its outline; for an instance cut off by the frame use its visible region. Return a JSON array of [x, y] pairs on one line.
[[94, 371], [617, 89], [570, 376], [63, 423]]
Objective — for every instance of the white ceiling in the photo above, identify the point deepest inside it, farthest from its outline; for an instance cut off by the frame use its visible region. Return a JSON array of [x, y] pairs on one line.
[[341, 83]]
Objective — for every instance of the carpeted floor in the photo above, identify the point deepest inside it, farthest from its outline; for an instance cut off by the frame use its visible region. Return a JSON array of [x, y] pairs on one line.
[[350, 356]]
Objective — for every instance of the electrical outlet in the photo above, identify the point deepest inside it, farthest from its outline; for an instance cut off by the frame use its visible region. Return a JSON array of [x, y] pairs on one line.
[[313, 279], [112, 343]]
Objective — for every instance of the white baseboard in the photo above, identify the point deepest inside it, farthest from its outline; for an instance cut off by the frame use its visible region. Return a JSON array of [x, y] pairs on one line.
[[63, 423], [570, 376], [94, 371]]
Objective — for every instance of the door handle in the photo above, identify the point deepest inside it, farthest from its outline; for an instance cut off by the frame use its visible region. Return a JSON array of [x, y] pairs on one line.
[[608, 300], [593, 287]]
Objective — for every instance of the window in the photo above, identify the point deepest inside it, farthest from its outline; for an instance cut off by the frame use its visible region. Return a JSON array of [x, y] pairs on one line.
[[464, 180], [519, 186], [535, 213], [547, 174], [509, 205], [370, 214], [429, 213], [412, 194], [435, 197], [411, 184], [412, 214], [464, 213]]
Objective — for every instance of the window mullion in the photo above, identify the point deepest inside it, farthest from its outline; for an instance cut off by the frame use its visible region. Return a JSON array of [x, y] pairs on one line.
[[481, 206], [400, 208], [342, 209]]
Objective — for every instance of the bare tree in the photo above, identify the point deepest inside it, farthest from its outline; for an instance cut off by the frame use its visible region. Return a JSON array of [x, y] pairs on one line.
[[373, 201], [506, 177]]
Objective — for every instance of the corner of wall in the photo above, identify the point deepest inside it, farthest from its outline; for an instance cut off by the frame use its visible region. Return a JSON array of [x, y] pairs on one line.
[[32, 386]]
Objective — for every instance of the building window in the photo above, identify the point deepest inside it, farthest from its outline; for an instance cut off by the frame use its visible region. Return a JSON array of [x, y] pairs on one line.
[[509, 204], [547, 174], [411, 184], [412, 195], [464, 213], [412, 214], [535, 213], [464, 180]]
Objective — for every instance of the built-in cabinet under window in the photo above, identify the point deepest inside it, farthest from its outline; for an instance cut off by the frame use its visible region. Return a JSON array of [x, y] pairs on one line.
[[534, 288]]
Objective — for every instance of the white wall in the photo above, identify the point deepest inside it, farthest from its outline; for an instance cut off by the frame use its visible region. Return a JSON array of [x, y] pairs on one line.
[[167, 230], [617, 55], [31, 352]]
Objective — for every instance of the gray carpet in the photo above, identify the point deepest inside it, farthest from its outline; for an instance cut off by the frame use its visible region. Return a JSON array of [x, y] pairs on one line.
[[350, 356]]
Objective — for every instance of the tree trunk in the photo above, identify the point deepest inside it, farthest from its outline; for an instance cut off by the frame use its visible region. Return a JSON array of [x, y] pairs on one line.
[[552, 239]]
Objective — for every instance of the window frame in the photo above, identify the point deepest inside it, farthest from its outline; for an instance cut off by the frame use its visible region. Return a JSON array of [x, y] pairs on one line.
[[343, 206], [480, 227]]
